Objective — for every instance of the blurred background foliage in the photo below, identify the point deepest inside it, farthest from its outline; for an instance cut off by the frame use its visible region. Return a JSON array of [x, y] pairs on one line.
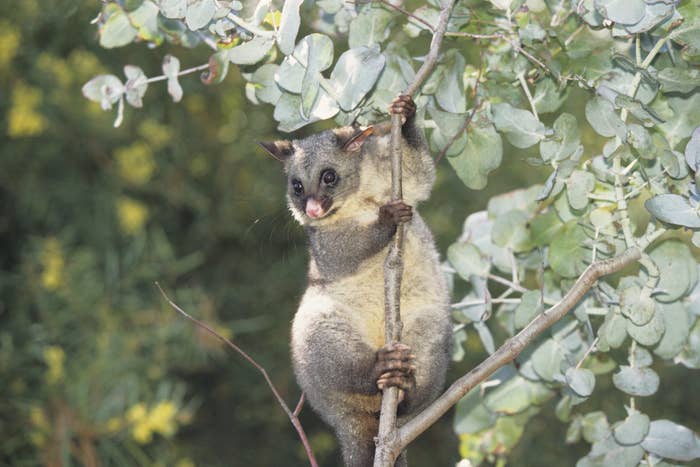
[[95, 369]]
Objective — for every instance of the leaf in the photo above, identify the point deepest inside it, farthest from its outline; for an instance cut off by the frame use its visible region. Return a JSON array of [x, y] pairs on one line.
[[595, 426], [638, 309], [116, 30], [649, 333], [678, 269], [251, 52], [485, 336], [355, 74], [370, 27], [681, 80], [566, 139], [673, 209], [136, 85], [529, 307], [171, 68], [683, 120], [145, 19], [266, 88], [450, 94], [481, 155], [688, 33], [105, 89], [510, 231], [621, 11], [672, 441], [640, 139], [613, 331], [677, 324], [638, 382], [468, 260], [199, 13], [632, 430], [471, 415], [547, 360], [567, 255], [692, 150], [174, 9], [544, 227], [600, 113], [516, 395], [289, 26], [578, 186], [607, 452], [581, 381], [548, 98], [521, 128], [218, 68]]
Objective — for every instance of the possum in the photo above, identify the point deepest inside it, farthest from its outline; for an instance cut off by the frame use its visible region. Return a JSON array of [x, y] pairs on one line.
[[339, 190]]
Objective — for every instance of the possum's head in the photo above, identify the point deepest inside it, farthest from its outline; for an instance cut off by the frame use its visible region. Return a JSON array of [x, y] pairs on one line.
[[323, 171]]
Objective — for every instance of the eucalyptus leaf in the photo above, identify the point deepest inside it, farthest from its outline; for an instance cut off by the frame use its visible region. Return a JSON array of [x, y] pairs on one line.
[[567, 254], [116, 30], [471, 415], [516, 395], [581, 381], [174, 9], [370, 27], [136, 85], [677, 324], [578, 186], [529, 307], [672, 441], [199, 13], [481, 155], [692, 150], [105, 89], [675, 79], [355, 74], [649, 333], [468, 260], [252, 51], [632, 430], [600, 113], [520, 126], [510, 231], [621, 11], [678, 270], [266, 89], [289, 26], [637, 308], [566, 139], [638, 382], [450, 94], [674, 209], [595, 426], [547, 360]]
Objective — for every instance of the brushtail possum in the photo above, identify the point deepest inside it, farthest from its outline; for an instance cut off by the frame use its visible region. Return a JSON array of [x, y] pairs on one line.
[[339, 190]]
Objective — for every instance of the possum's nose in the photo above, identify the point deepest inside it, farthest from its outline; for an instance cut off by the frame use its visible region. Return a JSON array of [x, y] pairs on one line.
[[314, 208]]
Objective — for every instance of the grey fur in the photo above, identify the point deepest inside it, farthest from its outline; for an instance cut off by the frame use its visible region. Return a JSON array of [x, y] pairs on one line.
[[339, 326]]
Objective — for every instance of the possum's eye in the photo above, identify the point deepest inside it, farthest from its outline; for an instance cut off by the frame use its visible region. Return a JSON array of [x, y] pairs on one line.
[[329, 176], [297, 187]]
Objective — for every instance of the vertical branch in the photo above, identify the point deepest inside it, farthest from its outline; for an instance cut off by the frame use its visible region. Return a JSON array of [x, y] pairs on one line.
[[387, 447]]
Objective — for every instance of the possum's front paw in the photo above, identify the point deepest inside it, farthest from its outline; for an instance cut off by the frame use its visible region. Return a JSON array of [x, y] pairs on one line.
[[395, 213], [404, 106], [396, 367]]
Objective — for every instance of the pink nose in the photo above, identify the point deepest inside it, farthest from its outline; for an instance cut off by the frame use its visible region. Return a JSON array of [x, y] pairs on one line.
[[313, 208]]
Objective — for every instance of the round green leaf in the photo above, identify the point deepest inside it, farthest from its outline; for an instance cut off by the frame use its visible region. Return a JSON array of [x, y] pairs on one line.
[[600, 113], [672, 441], [638, 382], [547, 360], [649, 333], [640, 310], [632, 430], [520, 126], [289, 26], [567, 254], [116, 30], [529, 307], [510, 231], [468, 260], [355, 74], [581, 381], [578, 186], [199, 13], [678, 270], [677, 323]]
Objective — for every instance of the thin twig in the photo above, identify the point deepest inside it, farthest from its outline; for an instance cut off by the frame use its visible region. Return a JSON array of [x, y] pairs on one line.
[[386, 452], [292, 415]]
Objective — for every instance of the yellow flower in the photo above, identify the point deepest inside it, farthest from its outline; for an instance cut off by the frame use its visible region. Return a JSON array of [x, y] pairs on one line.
[[136, 413], [135, 163], [132, 215], [52, 262], [162, 418], [156, 134], [54, 357], [142, 432], [23, 118], [9, 42]]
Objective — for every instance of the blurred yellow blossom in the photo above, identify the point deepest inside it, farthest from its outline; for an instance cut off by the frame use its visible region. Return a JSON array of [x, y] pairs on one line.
[[135, 163], [132, 214], [54, 357], [38, 418], [52, 262], [85, 64], [9, 42], [23, 118], [155, 133], [114, 424], [160, 419]]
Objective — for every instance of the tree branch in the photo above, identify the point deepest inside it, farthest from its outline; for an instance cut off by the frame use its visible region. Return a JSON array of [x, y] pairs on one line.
[[292, 415], [513, 346], [386, 452]]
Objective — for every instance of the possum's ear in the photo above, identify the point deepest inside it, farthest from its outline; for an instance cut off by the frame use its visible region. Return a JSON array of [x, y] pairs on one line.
[[280, 150], [354, 142]]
